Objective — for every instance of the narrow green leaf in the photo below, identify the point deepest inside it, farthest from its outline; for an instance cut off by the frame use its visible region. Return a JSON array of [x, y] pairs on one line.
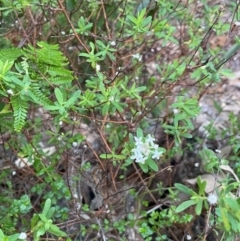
[[115, 156], [201, 185], [43, 217], [231, 187], [185, 205], [232, 203], [34, 220], [51, 107], [139, 132], [56, 231], [70, 4], [50, 212], [47, 206], [198, 208], [84, 55], [1, 234], [59, 95], [152, 164], [73, 98], [144, 167], [118, 106], [140, 89], [13, 237], [183, 188], [40, 231], [225, 219]]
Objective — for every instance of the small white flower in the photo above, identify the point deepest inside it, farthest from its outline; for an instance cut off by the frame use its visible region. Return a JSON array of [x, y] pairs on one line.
[[22, 236], [145, 148], [63, 32], [150, 140], [156, 154], [155, 146], [138, 140], [113, 43], [175, 111], [141, 159], [212, 199], [137, 56], [188, 236], [60, 123], [10, 92], [98, 67], [218, 151], [138, 156], [74, 144]]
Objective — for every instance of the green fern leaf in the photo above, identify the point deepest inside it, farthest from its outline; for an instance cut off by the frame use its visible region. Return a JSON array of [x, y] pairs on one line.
[[19, 112], [60, 80], [39, 95], [54, 71], [48, 63], [10, 54], [47, 54]]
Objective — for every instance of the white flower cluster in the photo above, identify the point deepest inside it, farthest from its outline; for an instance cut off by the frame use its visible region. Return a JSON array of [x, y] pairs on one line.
[[145, 148]]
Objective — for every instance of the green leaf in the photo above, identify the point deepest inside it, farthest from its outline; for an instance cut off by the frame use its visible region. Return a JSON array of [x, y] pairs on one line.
[[139, 132], [201, 185], [43, 217], [152, 164], [183, 188], [73, 98], [56, 231], [1, 235], [47, 206], [198, 208], [41, 231], [225, 218], [13, 237], [232, 204], [117, 106], [144, 167], [59, 95], [20, 112], [185, 205], [70, 4], [34, 220], [115, 156], [50, 212], [51, 107], [231, 187]]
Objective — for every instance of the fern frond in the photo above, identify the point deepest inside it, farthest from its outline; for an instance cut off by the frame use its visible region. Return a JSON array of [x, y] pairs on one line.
[[10, 54], [60, 80], [47, 54], [25, 65], [54, 71], [39, 95], [19, 112]]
